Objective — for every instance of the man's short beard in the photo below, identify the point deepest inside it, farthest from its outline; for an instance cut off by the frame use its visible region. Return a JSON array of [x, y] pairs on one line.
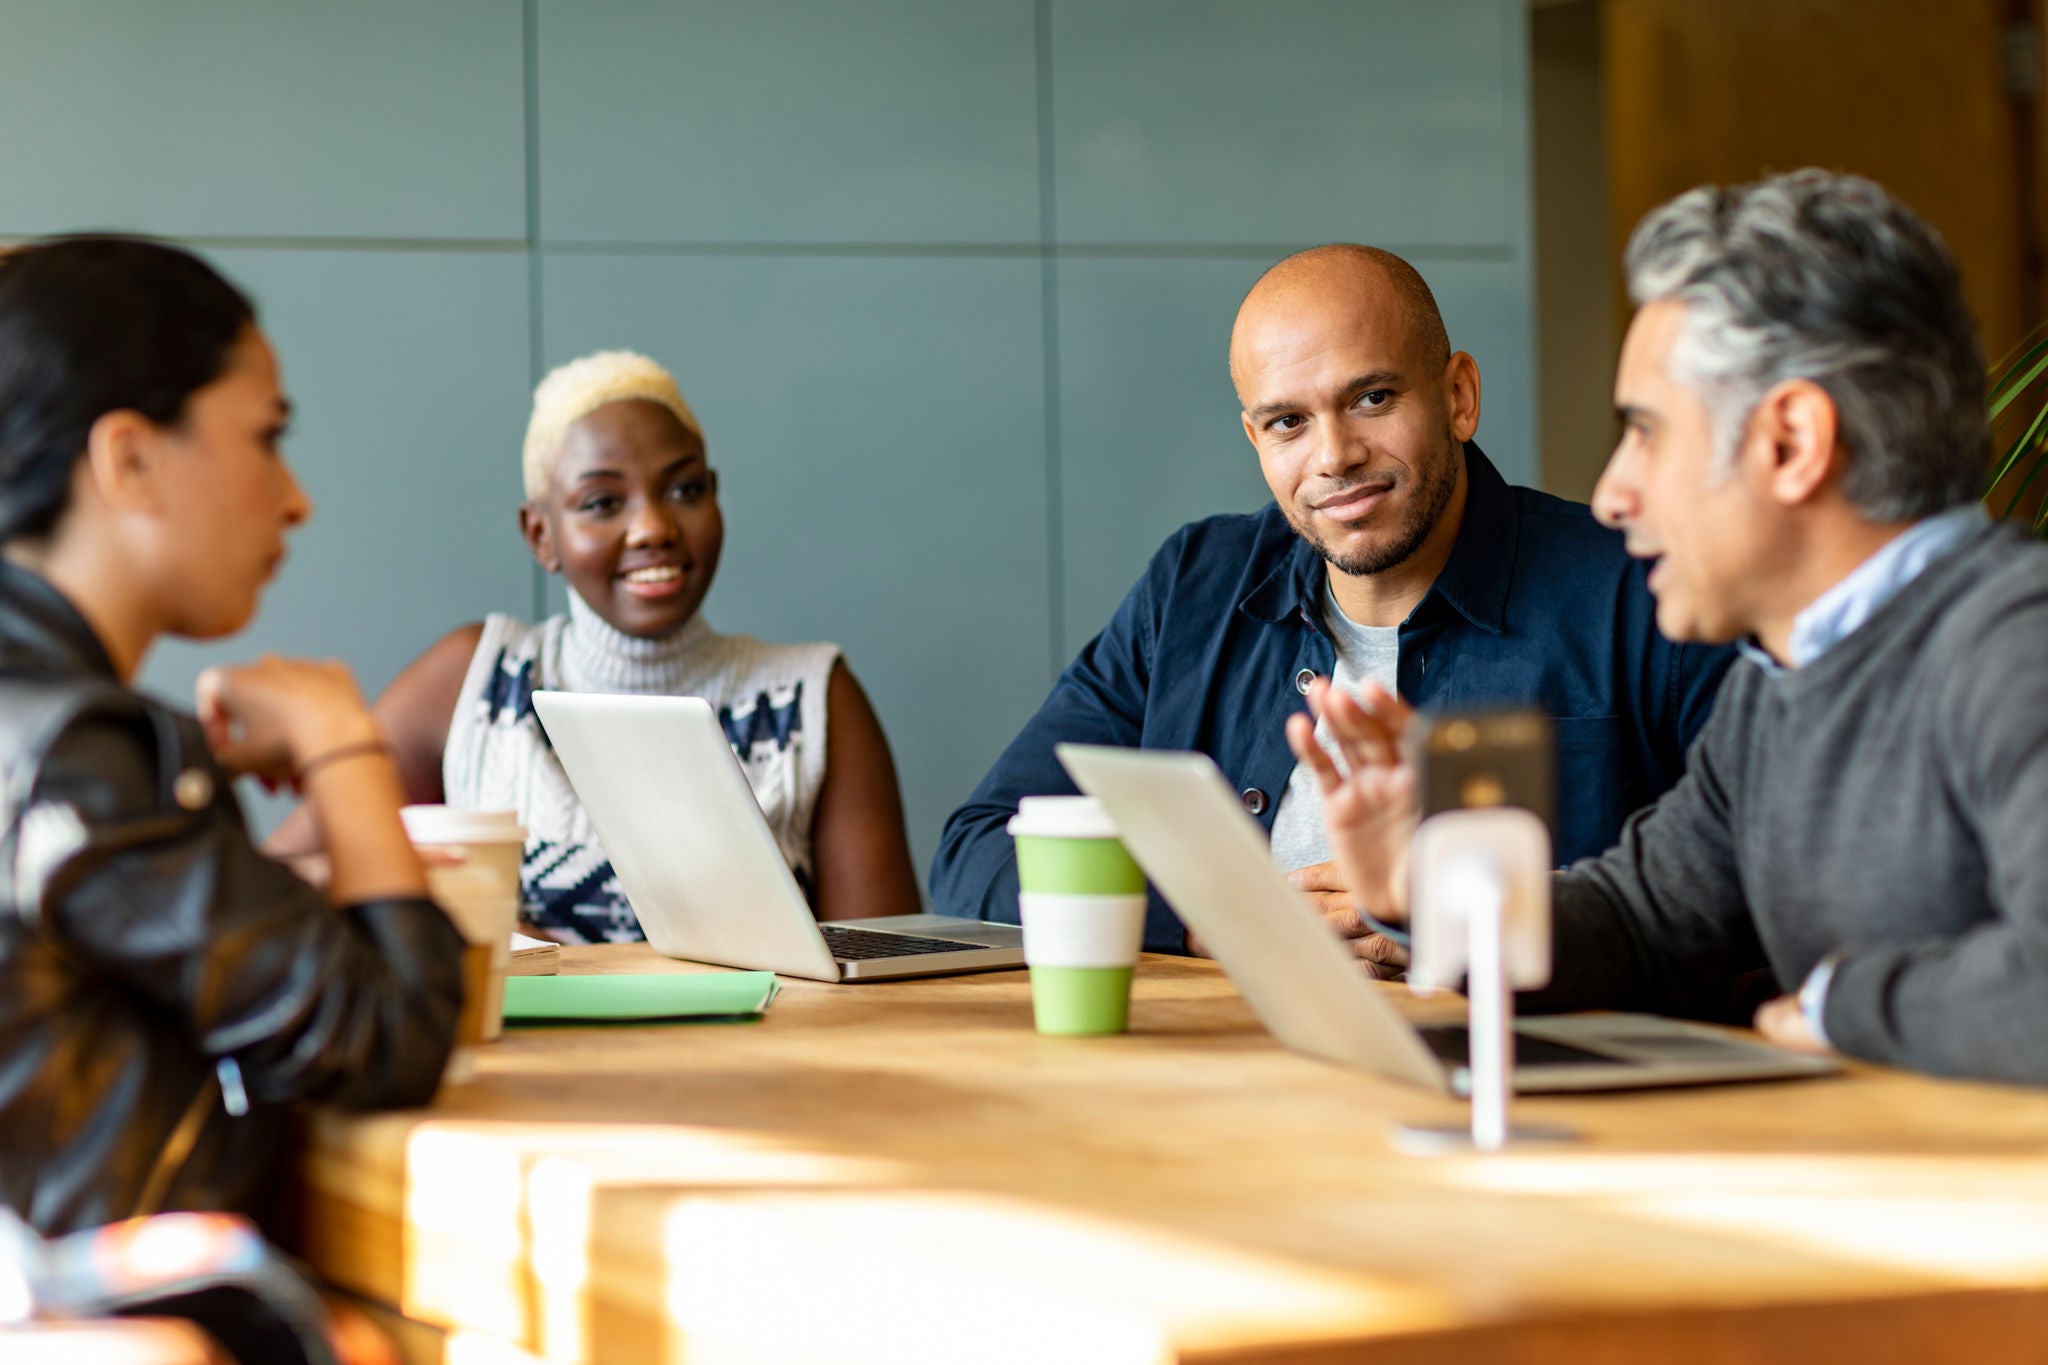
[[1434, 485]]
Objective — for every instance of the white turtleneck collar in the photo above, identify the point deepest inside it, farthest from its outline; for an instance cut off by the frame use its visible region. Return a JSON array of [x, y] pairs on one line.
[[599, 658]]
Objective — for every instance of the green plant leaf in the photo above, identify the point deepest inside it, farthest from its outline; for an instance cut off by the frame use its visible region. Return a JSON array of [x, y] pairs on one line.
[[2017, 393], [2028, 444], [2027, 342], [2033, 472], [2018, 451], [2006, 389]]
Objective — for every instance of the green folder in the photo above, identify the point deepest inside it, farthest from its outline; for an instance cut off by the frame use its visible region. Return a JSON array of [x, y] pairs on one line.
[[673, 995]]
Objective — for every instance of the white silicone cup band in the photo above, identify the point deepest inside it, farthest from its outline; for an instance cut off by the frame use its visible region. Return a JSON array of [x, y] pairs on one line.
[[461, 825], [1081, 931]]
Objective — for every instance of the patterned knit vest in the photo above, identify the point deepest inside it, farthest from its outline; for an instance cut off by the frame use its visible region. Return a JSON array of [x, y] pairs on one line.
[[770, 698]]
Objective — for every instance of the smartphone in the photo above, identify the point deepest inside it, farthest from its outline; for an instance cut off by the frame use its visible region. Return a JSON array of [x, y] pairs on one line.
[[1477, 760], [1498, 762]]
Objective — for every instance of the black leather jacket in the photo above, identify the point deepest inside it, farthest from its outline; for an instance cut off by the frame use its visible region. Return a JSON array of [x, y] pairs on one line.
[[156, 970]]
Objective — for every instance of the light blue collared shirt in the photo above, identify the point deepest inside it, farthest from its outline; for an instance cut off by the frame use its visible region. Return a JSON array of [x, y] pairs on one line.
[[1831, 618]]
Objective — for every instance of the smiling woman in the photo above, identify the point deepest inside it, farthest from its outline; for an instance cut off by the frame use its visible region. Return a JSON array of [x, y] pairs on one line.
[[622, 502]]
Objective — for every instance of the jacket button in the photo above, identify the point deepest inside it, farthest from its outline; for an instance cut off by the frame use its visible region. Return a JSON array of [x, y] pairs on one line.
[[1303, 679], [1254, 800], [192, 789]]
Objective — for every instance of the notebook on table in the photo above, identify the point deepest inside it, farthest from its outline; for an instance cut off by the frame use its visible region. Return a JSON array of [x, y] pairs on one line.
[[642, 996]]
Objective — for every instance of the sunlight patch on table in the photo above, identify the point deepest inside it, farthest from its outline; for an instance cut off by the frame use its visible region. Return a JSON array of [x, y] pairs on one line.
[[498, 1214], [935, 1276], [1977, 1220]]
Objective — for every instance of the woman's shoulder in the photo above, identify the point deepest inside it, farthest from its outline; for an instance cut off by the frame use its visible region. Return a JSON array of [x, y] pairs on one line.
[[471, 672], [500, 630], [457, 647], [36, 711], [103, 751], [36, 705], [502, 642]]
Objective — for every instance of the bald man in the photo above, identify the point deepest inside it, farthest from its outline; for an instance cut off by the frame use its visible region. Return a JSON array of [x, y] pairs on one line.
[[1393, 555]]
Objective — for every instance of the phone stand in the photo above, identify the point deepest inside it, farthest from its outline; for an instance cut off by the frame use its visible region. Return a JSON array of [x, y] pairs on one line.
[[1479, 902]]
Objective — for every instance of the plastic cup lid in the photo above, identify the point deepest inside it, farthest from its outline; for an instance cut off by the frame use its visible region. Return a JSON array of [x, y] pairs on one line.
[[460, 825], [1062, 817]]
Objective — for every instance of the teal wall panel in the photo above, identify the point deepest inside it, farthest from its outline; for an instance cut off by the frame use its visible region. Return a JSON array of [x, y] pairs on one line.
[[843, 228], [878, 429], [248, 118], [1150, 433], [1214, 121], [788, 121], [407, 371], [1487, 311]]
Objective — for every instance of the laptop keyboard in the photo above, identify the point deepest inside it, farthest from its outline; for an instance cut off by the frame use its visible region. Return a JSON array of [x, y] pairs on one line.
[[1452, 1043], [856, 945]]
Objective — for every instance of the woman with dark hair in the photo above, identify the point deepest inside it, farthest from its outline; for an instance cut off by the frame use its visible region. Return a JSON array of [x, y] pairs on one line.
[[164, 987]]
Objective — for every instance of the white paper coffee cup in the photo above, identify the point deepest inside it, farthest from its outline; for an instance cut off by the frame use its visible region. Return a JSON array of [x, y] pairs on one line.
[[473, 876]]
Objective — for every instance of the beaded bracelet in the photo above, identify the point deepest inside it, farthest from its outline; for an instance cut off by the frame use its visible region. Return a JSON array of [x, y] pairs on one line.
[[319, 761]]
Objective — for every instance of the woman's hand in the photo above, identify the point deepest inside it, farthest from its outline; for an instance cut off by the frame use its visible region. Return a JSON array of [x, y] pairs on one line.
[[1369, 806], [278, 719], [272, 718]]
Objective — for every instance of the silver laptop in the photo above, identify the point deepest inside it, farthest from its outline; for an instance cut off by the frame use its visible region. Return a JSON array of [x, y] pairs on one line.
[[1187, 828], [700, 866]]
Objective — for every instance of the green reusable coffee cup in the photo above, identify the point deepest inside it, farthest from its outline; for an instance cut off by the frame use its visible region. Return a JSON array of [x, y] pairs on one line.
[[1083, 906]]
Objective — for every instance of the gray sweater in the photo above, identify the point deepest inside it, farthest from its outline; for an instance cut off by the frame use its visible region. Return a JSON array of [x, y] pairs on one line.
[[1888, 803]]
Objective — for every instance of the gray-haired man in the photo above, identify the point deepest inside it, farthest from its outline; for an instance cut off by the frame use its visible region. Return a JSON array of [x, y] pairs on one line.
[[1866, 814]]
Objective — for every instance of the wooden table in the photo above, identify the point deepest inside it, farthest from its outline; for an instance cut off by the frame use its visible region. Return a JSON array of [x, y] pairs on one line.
[[132, 1341], [905, 1172]]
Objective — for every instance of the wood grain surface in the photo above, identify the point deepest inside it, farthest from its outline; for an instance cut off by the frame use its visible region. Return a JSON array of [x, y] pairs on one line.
[[905, 1172]]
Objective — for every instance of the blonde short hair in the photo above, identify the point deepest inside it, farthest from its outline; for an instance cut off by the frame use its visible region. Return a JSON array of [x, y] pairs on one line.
[[575, 390]]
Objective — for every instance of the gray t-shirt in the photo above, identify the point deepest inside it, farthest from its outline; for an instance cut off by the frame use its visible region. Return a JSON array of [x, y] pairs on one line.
[[1364, 654]]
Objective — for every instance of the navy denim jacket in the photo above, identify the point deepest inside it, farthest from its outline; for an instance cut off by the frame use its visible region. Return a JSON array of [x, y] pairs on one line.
[[1538, 604]]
